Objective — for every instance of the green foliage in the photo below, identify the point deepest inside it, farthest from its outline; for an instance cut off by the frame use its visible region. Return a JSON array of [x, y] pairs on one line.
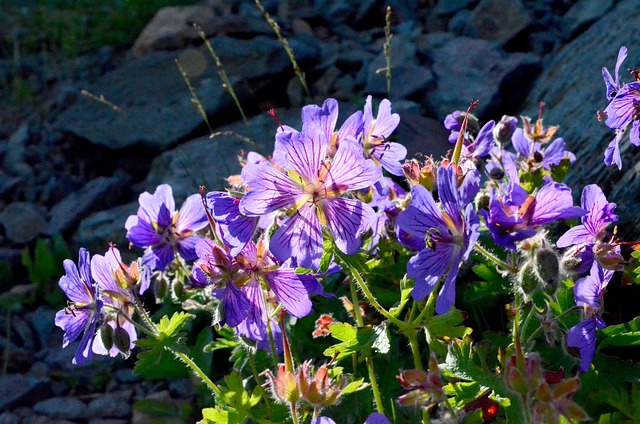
[[353, 340], [43, 265]]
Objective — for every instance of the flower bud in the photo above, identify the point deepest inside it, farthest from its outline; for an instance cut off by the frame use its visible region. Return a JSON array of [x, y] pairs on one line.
[[577, 260], [504, 129], [547, 269], [527, 280], [178, 289], [122, 341], [160, 288], [284, 386], [106, 336]]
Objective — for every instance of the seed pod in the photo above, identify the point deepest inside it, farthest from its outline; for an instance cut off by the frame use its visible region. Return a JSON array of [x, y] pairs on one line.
[[504, 129], [106, 335], [160, 288], [178, 289], [122, 341], [547, 269]]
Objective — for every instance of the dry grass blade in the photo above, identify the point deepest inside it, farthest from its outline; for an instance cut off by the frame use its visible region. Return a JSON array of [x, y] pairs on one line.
[[100, 99], [194, 96]]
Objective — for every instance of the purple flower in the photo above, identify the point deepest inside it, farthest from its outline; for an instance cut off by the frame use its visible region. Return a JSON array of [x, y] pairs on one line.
[[588, 293], [600, 213], [377, 418], [514, 215], [84, 308], [532, 156], [107, 271], [623, 110], [449, 234], [374, 138], [309, 188], [161, 230]]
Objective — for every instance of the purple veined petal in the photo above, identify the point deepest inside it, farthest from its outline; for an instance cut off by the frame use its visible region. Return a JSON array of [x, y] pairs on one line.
[[634, 134], [554, 201], [255, 325], [521, 143], [324, 117], [449, 194], [349, 170], [322, 420], [236, 305], [447, 295], [142, 234], [386, 122], [306, 152], [192, 216], [158, 207], [470, 185], [583, 337], [472, 226], [367, 116], [271, 190], [224, 207], [238, 233], [347, 219], [101, 270], [554, 153], [390, 155], [352, 127], [158, 257], [621, 109], [622, 55], [609, 83], [612, 153], [601, 212], [421, 215], [84, 352], [165, 217], [254, 157], [409, 240], [187, 248], [76, 288], [283, 134], [204, 248], [300, 237], [377, 418], [453, 137], [576, 235], [428, 266], [72, 325], [290, 291], [588, 290], [484, 140]]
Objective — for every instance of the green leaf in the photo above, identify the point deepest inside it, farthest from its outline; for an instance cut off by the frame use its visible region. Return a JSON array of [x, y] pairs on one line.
[[559, 172], [353, 340], [627, 334], [214, 416], [170, 327], [381, 343], [354, 386], [327, 254]]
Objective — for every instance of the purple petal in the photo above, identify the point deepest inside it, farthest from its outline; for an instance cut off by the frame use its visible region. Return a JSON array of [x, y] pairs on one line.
[[484, 140], [634, 134], [612, 153], [142, 233], [290, 291], [322, 420], [270, 191], [390, 155], [224, 207], [236, 305], [192, 216], [187, 248], [306, 152], [350, 171], [324, 117], [452, 121], [385, 122], [158, 256], [72, 325], [449, 194], [352, 127], [421, 215], [554, 201], [377, 418], [347, 219], [583, 337], [554, 153], [621, 109], [521, 143], [576, 235], [151, 205], [588, 290], [428, 266], [447, 295], [470, 185], [299, 237]]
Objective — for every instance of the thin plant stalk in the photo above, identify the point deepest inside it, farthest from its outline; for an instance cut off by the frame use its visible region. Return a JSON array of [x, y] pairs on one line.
[[285, 44], [387, 48], [226, 82], [194, 96]]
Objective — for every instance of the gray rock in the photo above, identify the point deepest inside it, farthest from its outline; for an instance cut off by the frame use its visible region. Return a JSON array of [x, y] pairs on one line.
[[89, 198], [22, 221], [9, 418], [582, 14], [573, 90], [41, 320], [109, 406], [447, 7], [407, 80], [62, 407], [469, 69], [107, 421], [206, 161], [101, 228], [20, 390], [421, 134], [172, 28], [498, 20], [155, 106]]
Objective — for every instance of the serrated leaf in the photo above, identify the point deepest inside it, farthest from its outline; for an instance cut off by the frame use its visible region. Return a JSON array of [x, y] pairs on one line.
[[381, 342], [354, 340], [327, 254], [169, 327], [342, 331], [214, 416]]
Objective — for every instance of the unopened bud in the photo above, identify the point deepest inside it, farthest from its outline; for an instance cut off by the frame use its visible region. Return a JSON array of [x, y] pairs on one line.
[[482, 200], [496, 174], [547, 269], [106, 336], [160, 288], [122, 341], [504, 129], [527, 280], [577, 260], [178, 289]]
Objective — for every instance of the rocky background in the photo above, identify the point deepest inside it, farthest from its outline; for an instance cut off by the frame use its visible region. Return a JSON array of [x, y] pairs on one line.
[[76, 151]]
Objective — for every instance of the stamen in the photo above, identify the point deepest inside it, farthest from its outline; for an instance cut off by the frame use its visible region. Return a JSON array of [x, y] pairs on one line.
[[272, 112]]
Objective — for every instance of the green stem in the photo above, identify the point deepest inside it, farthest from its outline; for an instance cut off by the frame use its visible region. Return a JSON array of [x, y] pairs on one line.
[[272, 342], [415, 347], [195, 368], [493, 258], [537, 330], [366, 352], [294, 413]]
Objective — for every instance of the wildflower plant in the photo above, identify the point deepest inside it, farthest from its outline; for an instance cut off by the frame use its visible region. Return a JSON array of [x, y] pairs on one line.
[[335, 270]]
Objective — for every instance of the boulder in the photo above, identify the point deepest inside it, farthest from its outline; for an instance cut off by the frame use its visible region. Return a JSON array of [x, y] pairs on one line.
[[23, 221], [497, 20], [467, 69], [155, 108]]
